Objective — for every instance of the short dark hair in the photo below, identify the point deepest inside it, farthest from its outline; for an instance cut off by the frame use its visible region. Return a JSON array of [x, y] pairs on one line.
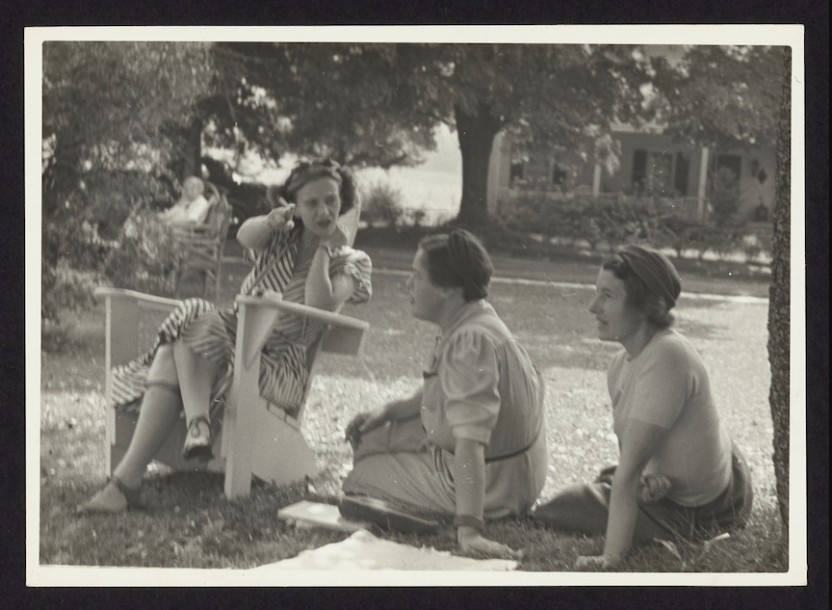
[[458, 259], [639, 296], [306, 171]]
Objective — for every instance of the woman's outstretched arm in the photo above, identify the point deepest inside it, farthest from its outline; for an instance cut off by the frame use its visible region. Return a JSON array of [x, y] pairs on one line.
[[255, 232], [639, 442]]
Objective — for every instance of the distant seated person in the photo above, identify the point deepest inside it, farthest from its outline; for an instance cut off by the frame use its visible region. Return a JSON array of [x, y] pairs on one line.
[[192, 207]]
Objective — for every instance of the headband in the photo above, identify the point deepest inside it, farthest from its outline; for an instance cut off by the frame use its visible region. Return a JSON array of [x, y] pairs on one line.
[[306, 172], [655, 270]]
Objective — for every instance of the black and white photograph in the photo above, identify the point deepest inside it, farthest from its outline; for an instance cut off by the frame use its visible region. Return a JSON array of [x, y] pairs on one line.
[[466, 306]]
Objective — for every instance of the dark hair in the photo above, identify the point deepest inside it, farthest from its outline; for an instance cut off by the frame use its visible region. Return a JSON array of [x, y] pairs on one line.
[[458, 259], [639, 296], [306, 171]]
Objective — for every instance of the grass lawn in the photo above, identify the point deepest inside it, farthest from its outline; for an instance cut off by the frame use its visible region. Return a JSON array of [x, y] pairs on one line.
[[191, 524]]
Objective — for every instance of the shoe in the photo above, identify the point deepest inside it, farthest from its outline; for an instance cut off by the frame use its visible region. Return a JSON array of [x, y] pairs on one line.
[[116, 497], [385, 516], [198, 442]]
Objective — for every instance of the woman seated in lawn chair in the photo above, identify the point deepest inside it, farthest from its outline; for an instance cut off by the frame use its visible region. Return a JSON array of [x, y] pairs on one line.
[[299, 250], [192, 208], [679, 476], [471, 444]]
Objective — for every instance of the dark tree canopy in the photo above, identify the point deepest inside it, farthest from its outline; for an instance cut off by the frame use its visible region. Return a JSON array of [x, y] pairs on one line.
[[378, 104], [724, 96]]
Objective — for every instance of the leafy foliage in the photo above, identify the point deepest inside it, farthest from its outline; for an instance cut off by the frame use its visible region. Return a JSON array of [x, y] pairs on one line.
[[105, 108], [377, 104], [724, 96], [145, 256], [381, 202], [605, 225]]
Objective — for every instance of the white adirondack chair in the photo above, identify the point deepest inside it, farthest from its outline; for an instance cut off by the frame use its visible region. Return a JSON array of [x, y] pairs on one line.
[[256, 438]]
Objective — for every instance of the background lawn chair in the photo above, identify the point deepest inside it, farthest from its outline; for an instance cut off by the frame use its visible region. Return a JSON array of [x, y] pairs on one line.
[[257, 438], [201, 246]]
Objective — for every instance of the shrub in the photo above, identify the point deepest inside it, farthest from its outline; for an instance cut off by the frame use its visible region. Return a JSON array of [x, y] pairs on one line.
[[145, 256], [382, 203], [78, 231]]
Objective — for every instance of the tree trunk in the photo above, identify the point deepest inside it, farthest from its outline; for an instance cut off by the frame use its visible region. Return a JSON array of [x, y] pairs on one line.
[[779, 302], [476, 138], [192, 162]]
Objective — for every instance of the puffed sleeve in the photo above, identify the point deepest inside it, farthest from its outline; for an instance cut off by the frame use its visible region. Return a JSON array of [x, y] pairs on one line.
[[662, 387], [470, 379], [358, 266]]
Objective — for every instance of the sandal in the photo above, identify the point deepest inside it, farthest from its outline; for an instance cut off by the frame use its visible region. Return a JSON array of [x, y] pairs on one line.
[[385, 516], [114, 498], [198, 442]]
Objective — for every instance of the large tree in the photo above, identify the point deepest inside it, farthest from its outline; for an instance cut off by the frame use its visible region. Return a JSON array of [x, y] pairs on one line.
[[378, 104], [779, 310], [722, 96], [106, 106]]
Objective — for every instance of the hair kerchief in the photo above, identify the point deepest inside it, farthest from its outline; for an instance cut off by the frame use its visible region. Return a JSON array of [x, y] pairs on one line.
[[655, 270]]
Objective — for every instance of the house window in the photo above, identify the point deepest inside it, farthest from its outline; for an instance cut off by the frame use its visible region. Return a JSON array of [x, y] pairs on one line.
[[559, 175], [732, 162], [681, 171], [660, 173], [517, 171]]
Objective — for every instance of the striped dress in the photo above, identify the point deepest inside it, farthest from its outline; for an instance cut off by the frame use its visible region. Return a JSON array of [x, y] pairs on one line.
[[211, 331]]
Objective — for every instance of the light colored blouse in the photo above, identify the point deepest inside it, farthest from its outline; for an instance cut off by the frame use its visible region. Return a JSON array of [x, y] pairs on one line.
[[482, 385], [195, 211], [667, 385]]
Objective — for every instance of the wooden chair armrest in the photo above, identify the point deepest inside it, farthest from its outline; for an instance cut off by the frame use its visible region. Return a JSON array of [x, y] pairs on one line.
[[121, 331], [345, 335], [107, 292]]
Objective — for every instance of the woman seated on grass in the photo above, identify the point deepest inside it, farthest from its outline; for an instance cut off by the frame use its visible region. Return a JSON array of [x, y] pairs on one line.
[[471, 444], [679, 474], [298, 250]]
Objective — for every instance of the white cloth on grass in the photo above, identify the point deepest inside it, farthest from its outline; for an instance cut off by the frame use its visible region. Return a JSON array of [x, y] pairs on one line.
[[363, 551]]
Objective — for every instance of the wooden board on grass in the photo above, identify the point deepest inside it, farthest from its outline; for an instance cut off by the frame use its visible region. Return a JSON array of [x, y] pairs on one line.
[[316, 514]]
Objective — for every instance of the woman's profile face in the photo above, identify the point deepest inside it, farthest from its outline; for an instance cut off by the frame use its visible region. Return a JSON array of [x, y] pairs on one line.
[[616, 319], [319, 205], [427, 301]]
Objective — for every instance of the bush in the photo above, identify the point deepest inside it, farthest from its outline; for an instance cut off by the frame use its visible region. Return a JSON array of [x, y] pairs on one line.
[[585, 219], [382, 203], [80, 230], [145, 257]]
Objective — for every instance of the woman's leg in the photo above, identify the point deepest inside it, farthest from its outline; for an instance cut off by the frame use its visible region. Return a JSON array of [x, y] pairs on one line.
[[161, 405], [160, 408], [196, 376]]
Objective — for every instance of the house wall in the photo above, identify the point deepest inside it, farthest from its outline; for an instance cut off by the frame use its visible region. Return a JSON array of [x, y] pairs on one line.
[[621, 180], [538, 169], [753, 192]]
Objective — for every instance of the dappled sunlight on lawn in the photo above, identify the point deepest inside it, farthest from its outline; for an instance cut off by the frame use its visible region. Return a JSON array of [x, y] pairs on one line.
[[550, 321]]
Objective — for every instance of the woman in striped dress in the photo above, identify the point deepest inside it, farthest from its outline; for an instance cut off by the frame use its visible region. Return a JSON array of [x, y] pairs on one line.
[[299, 250]]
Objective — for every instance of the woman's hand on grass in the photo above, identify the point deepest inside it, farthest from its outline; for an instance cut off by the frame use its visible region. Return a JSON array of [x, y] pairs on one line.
[[471, 542], [653, 488], [597, 563]]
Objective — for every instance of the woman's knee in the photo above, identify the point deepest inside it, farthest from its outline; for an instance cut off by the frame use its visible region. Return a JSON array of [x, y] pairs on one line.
[[162, 368]]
